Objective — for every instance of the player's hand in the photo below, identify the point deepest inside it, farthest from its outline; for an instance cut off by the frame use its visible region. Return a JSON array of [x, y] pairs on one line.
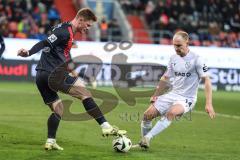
[[209, 109], [153, 99], [23, 53], [74, 73]]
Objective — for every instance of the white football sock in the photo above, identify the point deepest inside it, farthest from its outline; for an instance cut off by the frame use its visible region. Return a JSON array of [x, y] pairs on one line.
[[146, 126], [51, 140], [105, 125], [161, 124]]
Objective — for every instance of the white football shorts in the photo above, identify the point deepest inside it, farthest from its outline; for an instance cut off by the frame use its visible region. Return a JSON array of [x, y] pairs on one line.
[[166, 101]]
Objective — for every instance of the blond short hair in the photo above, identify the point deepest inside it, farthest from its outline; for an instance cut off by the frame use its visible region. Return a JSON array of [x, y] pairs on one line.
[[183, 34], [87, 14]]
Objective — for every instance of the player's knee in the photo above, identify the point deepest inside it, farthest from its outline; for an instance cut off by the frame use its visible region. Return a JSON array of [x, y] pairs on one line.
[[59, 110], [80, 93], [174, 112], [87, 94], [80, 96], [171, 115], [57, 107], [84, 95], [147, 116]]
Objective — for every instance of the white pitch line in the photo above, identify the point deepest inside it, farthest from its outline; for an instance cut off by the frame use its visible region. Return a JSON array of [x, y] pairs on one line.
[[219, 115]]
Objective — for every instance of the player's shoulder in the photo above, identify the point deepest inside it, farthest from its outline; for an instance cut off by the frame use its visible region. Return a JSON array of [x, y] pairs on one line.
[[61, 30], [61, 26], [194, 55], [173, 56], [198, 59]]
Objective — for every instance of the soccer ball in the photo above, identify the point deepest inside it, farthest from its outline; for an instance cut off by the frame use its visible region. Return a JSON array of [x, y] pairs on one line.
[[122, 144]]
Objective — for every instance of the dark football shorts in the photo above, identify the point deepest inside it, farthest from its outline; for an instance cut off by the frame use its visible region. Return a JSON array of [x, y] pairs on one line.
[[50, 83]]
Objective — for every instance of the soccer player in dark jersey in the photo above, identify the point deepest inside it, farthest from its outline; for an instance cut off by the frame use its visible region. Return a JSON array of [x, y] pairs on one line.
[[2, 46], [55, 53]]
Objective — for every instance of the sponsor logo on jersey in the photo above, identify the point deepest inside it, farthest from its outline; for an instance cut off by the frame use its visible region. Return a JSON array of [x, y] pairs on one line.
[[205, 68], [52, 38], [182, 74]]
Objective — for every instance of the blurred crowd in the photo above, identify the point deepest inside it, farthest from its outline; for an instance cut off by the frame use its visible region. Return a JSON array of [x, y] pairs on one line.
[[34, 19], [27, 18], [209, 22], [110, 30]]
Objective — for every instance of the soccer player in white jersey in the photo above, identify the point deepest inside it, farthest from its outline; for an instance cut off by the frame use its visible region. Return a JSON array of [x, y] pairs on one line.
[[185, 69]]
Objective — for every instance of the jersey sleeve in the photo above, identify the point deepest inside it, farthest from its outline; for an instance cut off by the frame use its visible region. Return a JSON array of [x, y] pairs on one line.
[[39, 46], [201, 67], [169, 71], [57, 36], [2, 46]]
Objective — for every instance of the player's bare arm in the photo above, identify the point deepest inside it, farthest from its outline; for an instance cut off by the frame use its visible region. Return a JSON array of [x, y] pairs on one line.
[[208, 94], [162, 87]]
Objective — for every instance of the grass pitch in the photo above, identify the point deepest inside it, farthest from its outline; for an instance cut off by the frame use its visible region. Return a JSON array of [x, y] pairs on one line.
[[23, 119]]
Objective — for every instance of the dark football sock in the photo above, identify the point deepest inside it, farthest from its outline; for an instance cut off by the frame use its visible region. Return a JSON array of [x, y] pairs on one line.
[[53, 122], [93, 110]]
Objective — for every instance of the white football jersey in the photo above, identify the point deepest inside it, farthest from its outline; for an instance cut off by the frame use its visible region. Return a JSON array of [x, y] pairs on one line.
[[185, 74]]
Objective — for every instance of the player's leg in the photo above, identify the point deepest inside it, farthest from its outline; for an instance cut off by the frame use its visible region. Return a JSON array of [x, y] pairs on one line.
[[51, 99], [180, 107], [163, 123], [169, 112], [146, 124], [53, 123], [174, 111], [159, 107], [165, 120], [149, 114], [77, 89]]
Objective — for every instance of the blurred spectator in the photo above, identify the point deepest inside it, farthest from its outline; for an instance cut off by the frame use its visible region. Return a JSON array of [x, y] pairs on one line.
[[78, 4], [235, 22], [207, 20], [110, 31], [53, 13], [148, 11], [114, 31], [27, 18], [103, 30], [126, 5]]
